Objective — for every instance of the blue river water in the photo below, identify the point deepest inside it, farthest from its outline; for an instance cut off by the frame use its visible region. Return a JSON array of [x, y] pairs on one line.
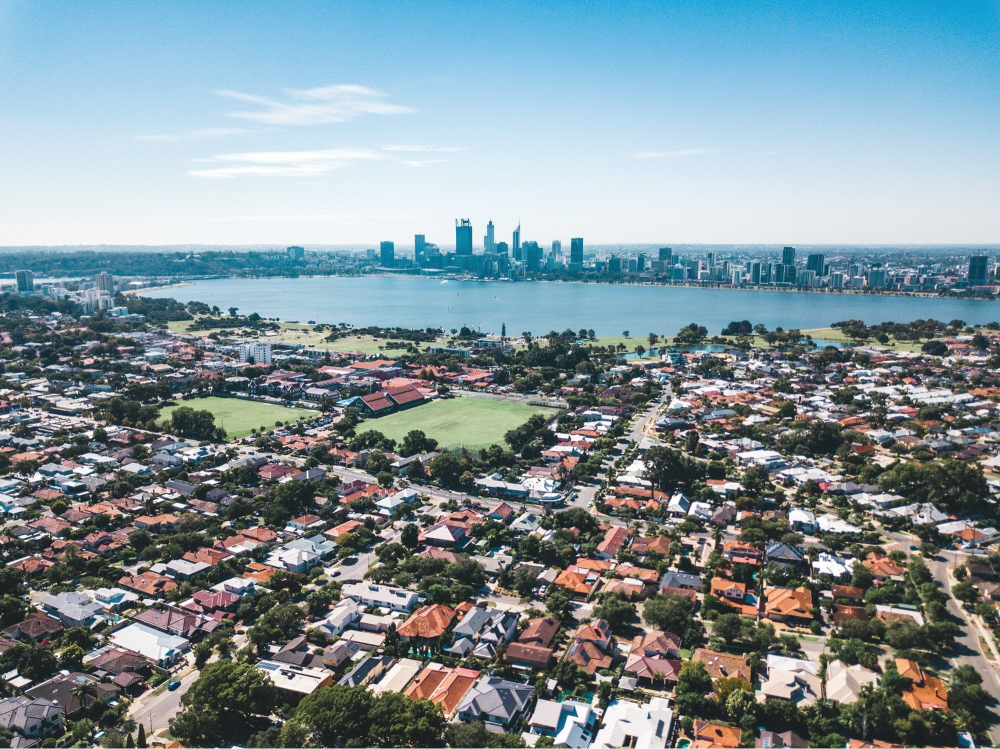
[[538, 307]]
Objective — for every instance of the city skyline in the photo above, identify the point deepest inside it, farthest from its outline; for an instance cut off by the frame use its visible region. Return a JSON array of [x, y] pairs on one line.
[[793, 124]]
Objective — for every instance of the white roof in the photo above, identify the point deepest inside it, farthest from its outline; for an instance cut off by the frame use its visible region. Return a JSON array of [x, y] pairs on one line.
[[628, 724], [151, 643]]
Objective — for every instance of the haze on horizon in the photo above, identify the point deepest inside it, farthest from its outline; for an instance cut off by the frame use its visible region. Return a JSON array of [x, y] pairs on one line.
[[728, 123]]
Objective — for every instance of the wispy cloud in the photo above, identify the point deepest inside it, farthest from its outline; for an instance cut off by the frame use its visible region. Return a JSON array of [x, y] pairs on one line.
[[202, 134], [284, 163], [315, 106], [425, 149], [422, 162], [673, 154]]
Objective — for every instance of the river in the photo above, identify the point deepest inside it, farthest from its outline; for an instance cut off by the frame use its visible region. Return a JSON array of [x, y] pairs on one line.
[[538, 307]]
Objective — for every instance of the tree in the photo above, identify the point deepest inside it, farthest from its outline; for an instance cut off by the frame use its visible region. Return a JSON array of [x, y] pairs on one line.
[[730, 627], [140, 740], [966, 592], [740, 702], [84, 692], [337, 713], [12, 610], [409, 536], [229, 687], [416, 442], [617, 611], [395, 720], [693, 683]]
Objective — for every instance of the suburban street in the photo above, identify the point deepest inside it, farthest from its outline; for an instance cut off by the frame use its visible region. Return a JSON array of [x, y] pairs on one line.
[[155, 712]]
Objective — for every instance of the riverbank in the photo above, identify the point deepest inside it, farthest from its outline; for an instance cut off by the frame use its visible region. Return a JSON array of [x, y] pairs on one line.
[[159, 288]]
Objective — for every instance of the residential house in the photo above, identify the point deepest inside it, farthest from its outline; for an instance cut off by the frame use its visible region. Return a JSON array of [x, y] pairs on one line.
[[844, 683], [628, 724], [592, 647], [789, 605], [924, 691], [427, 623], [32, 719], [708, 735], [723, 665], [496, 701], [443, 686], [158, 647], [292, 682], [569, 723], [380, 596]]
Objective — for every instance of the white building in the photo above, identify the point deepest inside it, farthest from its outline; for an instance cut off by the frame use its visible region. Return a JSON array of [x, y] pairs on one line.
[[569, 723], [380, 596], [159, 647], [629, 724], [259, 353]]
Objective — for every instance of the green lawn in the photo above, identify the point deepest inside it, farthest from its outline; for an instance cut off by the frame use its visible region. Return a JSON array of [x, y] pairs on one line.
[[457, 422], [238, 416]]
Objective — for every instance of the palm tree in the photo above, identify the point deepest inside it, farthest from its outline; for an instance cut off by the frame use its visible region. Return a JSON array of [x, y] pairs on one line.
[[84, 690]]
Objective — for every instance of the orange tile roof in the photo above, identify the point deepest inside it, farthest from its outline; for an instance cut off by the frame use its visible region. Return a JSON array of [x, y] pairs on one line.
[[714, 736], [428, 622]]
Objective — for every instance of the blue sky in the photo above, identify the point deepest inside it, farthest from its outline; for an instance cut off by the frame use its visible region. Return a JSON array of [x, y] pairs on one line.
[[308, 123]]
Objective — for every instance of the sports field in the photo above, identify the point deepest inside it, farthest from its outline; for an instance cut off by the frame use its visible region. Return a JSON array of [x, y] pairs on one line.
[[238, 416], [457, 422]]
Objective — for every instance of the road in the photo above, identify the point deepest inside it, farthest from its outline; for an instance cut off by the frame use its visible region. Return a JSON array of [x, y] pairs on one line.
[[967, 650], [155, 712]]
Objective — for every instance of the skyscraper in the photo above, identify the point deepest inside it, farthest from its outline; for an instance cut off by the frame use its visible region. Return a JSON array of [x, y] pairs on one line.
[[296, 253], [463, 236], [666, 257], [788, 256], [419, 247], [556, 249], [816, 263], [25, 282], [614, 264], [515, 246], [502, 248], [105, 282], [978, 270], [576, 253], [489, 241], [532, 257], [387, 253]]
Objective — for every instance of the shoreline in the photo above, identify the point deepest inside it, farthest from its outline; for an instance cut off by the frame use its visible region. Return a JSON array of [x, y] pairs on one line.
[[849, 292]]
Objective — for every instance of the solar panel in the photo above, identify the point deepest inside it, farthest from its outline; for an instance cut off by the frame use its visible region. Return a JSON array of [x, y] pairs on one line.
[[269, 666]]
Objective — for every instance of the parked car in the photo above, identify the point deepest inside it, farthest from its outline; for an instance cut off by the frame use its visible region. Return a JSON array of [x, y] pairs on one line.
[[173, 685]]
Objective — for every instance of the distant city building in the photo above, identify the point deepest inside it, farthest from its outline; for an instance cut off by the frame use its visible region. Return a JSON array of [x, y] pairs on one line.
[[614, 264], [532, 257], [666, 256], [387, 254], [978, 270], [296, 253], [489, 241], [557, 250], [788, 256], [640, 263], [576, 253], [463, 236], [836, 280], [503, 249], [258, 353], [816, 263], [25, 281], [515, 247], [105, 282], [876, 278], [419, 248]]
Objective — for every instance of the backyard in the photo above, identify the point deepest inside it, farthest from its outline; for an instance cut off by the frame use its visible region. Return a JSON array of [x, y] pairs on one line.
[[238, 415], [457, 422]]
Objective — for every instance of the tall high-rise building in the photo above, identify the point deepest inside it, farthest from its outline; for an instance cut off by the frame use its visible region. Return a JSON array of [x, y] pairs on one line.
[[576, 253], [515, 246], [788, 256], [640, 263], [755, 272], [387, 254], [105, 282], [25, 281], [532, 257], [816, 263], [489, 241], [556, 250], [711, 262], [502, 248], [463, 236], [614, 264], [419, 248], [978, 270], [876, 277], [666, 256], [296, 253]]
